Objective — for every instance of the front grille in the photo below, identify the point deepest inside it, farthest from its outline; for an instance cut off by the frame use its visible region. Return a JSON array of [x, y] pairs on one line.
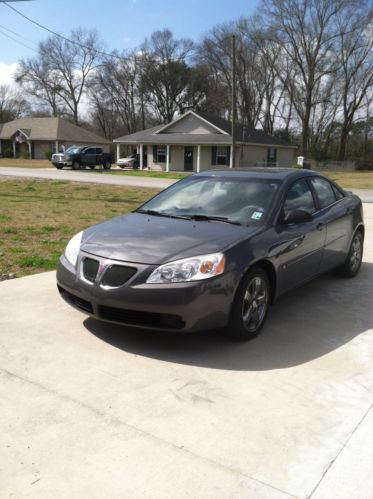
[[144, 319], [117, 275], [76, 300], [90, 269]]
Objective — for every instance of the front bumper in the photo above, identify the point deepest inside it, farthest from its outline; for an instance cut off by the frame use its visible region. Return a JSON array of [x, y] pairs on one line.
[[179, 307], [63, 163]]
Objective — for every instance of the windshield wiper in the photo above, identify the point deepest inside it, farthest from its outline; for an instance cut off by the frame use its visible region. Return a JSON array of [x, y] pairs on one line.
[[160, 214], [227, 220]]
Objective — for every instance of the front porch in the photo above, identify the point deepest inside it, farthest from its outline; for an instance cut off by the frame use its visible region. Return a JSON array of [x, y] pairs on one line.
[[179, 157]]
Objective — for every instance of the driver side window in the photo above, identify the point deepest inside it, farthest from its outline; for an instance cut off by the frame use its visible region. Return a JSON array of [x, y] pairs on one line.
[[299, 197]]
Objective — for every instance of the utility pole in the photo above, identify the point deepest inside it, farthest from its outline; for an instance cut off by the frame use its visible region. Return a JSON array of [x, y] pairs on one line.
[[233, 158]]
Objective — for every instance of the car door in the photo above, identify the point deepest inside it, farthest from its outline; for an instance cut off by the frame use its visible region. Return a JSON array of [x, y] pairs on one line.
[[337, 212], [89, 156], [300, 245]]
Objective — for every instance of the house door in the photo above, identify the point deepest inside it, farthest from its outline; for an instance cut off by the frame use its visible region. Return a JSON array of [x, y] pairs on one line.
[[188, 159]]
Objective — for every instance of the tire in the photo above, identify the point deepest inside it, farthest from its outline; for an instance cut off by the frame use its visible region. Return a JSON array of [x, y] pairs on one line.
[[106, 165], [59, 167], [352, 264], [92, 167], [75, 165], [136, 165], [250, 306]]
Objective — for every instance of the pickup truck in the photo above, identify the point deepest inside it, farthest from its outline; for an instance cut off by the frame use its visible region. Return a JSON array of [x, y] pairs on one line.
[[81, 156]]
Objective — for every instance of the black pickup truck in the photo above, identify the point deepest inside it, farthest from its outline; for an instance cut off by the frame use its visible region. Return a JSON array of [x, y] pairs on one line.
[[81, 156]]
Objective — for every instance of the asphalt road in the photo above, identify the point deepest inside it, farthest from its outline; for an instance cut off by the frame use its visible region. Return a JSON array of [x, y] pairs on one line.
[[366, 195], [95, 410]]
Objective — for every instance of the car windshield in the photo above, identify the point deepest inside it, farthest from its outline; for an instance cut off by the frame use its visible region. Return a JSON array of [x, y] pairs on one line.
[[236, 200], [73, 150]]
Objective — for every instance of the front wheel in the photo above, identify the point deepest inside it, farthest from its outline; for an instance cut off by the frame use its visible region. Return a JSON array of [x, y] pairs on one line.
[[59, 167], [352, 264], [75, 165], [250, 306]]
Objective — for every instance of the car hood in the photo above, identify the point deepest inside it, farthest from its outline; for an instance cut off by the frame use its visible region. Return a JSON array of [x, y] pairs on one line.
[[154, 240]]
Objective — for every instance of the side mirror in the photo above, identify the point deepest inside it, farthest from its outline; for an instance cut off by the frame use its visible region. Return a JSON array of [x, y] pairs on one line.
[[297, 217]]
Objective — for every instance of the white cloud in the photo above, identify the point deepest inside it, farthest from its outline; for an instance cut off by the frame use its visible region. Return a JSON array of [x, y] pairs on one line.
[[7, 72]]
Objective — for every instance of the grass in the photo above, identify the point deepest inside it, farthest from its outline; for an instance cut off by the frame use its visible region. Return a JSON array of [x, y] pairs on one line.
[[25, 163], [352, 180], [38, 217]]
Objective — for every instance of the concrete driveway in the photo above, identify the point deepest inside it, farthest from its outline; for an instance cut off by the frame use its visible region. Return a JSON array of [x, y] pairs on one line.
[[93, 410]]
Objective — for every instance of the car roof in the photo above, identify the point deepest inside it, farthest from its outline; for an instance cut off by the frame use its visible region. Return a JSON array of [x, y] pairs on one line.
[[264, 172]]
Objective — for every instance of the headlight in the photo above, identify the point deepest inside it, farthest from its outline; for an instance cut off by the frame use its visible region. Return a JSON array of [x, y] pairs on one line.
[[72, 248], [189, 269]]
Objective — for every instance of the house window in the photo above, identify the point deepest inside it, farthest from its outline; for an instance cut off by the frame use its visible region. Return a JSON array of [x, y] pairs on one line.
[[222, 156], [271, 155], [161, 154]]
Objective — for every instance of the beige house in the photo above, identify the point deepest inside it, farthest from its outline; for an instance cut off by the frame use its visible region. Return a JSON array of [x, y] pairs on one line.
[[37, 137], [197, 142]]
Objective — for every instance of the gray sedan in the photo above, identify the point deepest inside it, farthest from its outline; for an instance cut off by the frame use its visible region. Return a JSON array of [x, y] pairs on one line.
[[214, 251]]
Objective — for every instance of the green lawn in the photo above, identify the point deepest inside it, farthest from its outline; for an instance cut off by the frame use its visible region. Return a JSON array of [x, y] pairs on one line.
[[38, 217]]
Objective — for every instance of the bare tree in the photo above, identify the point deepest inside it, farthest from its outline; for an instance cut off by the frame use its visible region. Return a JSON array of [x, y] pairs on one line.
[[354, 54], [37, 79], [12, 104], [115, 90], [166, 76], [60, 72], [307, 32]]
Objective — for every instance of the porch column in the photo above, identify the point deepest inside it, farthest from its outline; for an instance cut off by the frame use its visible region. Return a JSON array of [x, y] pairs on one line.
[[29, 150], [141, 157], [57, 146], [168, 158], [118, 151], [1, 150], [231, 158], [198, 158], [14, 150]]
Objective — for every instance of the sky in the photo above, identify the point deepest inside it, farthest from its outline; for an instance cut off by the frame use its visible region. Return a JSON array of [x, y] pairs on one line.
[[122, 24]]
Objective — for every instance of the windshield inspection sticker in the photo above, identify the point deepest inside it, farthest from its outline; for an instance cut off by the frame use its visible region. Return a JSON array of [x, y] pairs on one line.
[[257, 215]]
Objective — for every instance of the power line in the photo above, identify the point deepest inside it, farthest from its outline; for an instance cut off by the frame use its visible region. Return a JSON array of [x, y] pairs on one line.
[[17, 41], [81, 45], [15, 33], [74, 42]]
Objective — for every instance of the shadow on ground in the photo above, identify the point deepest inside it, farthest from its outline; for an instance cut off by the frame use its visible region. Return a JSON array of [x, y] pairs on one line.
[[303, 325]]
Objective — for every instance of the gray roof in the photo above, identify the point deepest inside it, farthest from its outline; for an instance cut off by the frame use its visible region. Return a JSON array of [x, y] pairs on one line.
[[242, 135], [50, 129]]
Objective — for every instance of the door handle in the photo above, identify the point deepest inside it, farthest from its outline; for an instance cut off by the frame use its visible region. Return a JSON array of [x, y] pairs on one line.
[[349, 211], [320, 226]]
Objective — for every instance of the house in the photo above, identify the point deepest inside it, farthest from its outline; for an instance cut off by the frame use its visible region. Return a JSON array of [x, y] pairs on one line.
[[35, 138], [197, 142]]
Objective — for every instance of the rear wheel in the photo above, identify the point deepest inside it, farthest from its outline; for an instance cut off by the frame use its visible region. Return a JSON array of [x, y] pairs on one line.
[[352, 264], [92, 167], [107, 165], [75, 165], [250, 306]]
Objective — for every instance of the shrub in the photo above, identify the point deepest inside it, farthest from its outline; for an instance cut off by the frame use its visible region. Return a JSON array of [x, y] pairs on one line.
[[48, 155], [8, 152], [25, 155], [365, 164]]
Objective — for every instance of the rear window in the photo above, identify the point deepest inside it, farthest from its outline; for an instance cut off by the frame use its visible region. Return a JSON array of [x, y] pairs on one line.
[[324, 191]]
